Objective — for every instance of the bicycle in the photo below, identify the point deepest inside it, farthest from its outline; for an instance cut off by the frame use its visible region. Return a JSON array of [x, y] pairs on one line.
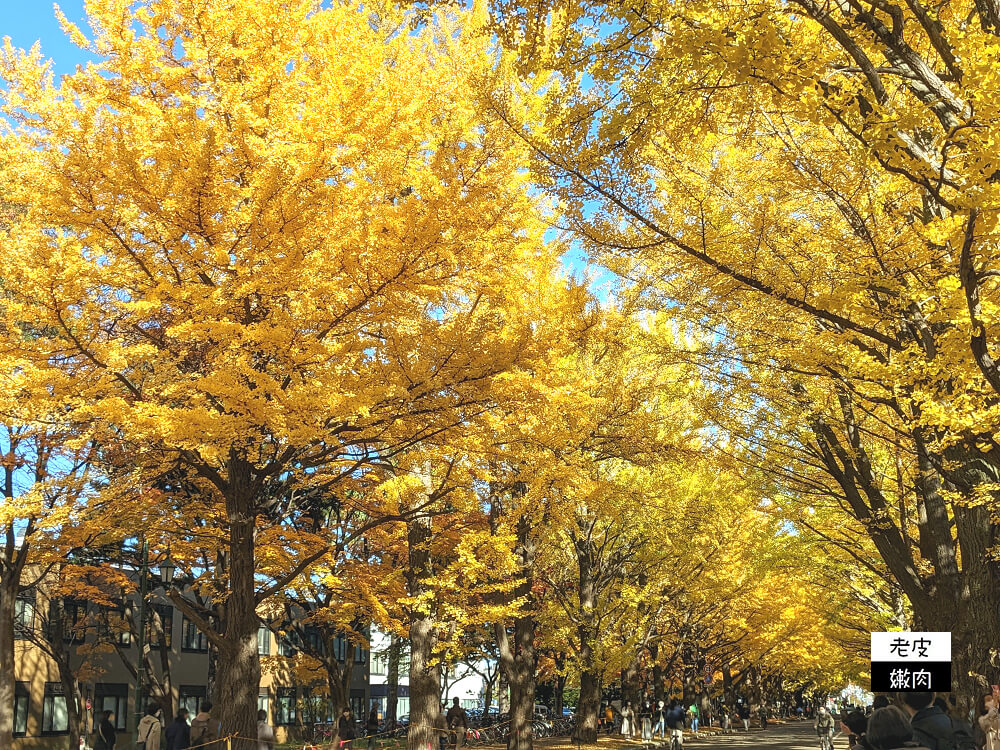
[[826, 741]]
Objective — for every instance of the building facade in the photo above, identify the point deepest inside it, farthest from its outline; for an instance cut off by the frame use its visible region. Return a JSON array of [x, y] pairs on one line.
[[99, 644]]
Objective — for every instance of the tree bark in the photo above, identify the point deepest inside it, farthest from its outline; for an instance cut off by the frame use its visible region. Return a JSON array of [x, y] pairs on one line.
[[518, 659], [560, 685], [74, 699], [239, 664], [517, 650], [338, 681], [586, 711], [590, 676], [630, 685], [425, 673], [488, 692], [503, 693], [8, 597], [392, 680]]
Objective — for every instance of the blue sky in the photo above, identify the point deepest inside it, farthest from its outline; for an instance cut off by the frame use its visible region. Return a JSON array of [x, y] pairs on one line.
[[28, 21]]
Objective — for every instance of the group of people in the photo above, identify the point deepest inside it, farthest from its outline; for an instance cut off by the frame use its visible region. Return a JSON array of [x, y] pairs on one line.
[[650, 722], [917, 721], [452, 722], [202, 732]]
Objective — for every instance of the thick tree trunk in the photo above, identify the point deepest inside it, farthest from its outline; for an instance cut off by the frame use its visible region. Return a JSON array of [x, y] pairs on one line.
[[488, 693], [392, 680], [74, 699], [338, 682], [425, 673], [560, 690], [239, 665], [522, 685], [517, 653], [425, 686], [212, 678], [590, 681], [586, 711], [503, 693], [657, 674], [8, 597], [631, 688]]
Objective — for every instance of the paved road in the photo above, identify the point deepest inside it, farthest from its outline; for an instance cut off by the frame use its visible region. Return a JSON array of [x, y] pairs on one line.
[[796, 735]]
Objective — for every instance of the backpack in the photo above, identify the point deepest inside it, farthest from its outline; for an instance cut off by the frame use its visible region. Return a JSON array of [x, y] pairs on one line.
[[202, 732], [959, 738]]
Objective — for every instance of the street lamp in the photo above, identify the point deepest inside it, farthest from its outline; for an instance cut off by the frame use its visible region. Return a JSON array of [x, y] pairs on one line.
[[167, 569]]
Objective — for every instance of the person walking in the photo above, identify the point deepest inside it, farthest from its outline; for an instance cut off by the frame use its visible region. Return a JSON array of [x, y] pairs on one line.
[[660, 716], [205, 731], [371, 727], [179, 731], [694, 716], [609, 718], [149, 729], [265, 732], [724, 719], [675, 720], [106, 733], [458, 722], [744, 711], [762, 713], [628, 721]]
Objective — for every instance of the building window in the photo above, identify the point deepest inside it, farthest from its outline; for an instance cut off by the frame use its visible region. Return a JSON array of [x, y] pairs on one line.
[[358, 704], [20, 709], [263, 641], [111, 697], [71, 614], [193, 639], [360, 655], [288, 644], [191, 698], [264, 702], [113, 625], [285, 707], [380, 664], [340, 648], [314, 640], [54, 716], [160, 622], [24, 614]]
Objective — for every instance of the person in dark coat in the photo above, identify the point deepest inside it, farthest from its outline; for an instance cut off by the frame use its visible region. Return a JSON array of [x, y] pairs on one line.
[[179, 731], [345, 728], [106, 732], [889, 729], [929, 721], [371, 727]]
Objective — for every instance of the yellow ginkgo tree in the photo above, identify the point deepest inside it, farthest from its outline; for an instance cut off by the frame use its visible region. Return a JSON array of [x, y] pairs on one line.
[[263, 248]]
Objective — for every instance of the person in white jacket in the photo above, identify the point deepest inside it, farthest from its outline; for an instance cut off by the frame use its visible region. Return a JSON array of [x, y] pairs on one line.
[[150, 727], [265, 732], [989, 722]]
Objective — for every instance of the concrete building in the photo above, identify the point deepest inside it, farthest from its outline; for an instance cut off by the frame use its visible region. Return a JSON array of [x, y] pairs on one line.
[[99, 642], [457, 681]]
